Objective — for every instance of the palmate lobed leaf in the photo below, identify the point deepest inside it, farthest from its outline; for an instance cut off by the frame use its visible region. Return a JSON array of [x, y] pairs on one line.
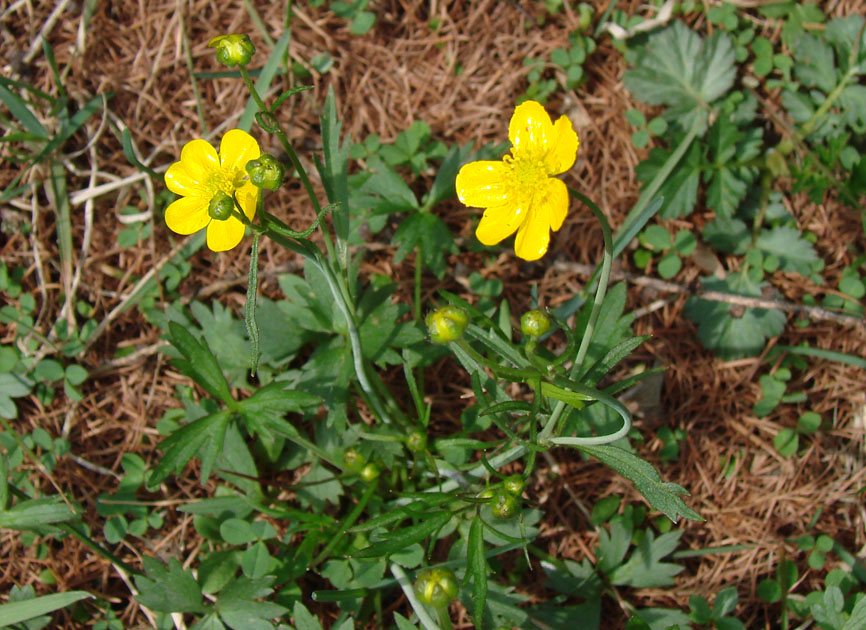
[[204, 436], [682, 70], [731, 173], [645, 567], [200, 363], [794, 252], [733, 331], [429, 232], [169, 588], [814, 62], [843, 32]]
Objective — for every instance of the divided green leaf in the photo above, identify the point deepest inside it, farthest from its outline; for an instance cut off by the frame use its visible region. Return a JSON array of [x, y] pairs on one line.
[[685, 72], [732, 330]]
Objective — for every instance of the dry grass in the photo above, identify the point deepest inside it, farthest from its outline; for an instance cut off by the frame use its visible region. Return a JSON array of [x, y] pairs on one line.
[[400, 72]]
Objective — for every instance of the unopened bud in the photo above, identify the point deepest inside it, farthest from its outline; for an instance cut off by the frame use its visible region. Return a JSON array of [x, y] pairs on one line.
[[233, 50]]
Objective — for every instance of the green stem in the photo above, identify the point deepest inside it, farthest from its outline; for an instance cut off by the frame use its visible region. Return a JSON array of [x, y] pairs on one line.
[[250, 304], [346, 523], [117, 562], [629, 227], [511, 374], [303, 442], [497, 461], [354, 339], [416, 302], [444, 618], [293, 157], [596, 307]]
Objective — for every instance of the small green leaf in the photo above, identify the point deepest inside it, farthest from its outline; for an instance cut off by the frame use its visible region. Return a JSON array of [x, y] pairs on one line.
[[362, 23], [769, 591], [645, 567], [816, 560], [786, 442], [700, 609], [236, 531], [640, 138], [657, 126], [669, 265], [75, 374], [256, 562], [657, 237], [642, 258], [852, 286], [809, 422], [685, 242]]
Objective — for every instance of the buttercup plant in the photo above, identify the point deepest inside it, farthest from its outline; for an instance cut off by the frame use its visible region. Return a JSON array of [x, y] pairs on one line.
[[409, 431], [453, 492]]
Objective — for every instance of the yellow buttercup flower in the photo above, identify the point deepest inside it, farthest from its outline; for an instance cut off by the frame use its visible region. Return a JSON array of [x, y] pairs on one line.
[[201, 175], [519, 193]]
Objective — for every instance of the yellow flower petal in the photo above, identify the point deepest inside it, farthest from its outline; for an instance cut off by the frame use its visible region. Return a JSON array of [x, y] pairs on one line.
[[223, 235], [187, 215], [556, 201], [236, 149], [533, 235], [530, 128], [499, 222], [482, 184], [199, 159], [179, 181], [562, 150], [247, 197]]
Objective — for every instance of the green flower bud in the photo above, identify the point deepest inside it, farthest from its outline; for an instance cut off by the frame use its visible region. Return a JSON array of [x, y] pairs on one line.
[[353, 461], [514, 485], [370, 472], [534, 323], [233, 50], [504, 506], [446, 324], [266, 172], [436, 587], [417, 441], [220, 206]]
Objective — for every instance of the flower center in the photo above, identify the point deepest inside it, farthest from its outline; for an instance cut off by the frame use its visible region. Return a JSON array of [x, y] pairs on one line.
[[528, 173], [226, 180]]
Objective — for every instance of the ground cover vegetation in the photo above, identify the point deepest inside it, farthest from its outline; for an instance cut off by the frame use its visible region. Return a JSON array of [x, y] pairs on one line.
[[272, 358]]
